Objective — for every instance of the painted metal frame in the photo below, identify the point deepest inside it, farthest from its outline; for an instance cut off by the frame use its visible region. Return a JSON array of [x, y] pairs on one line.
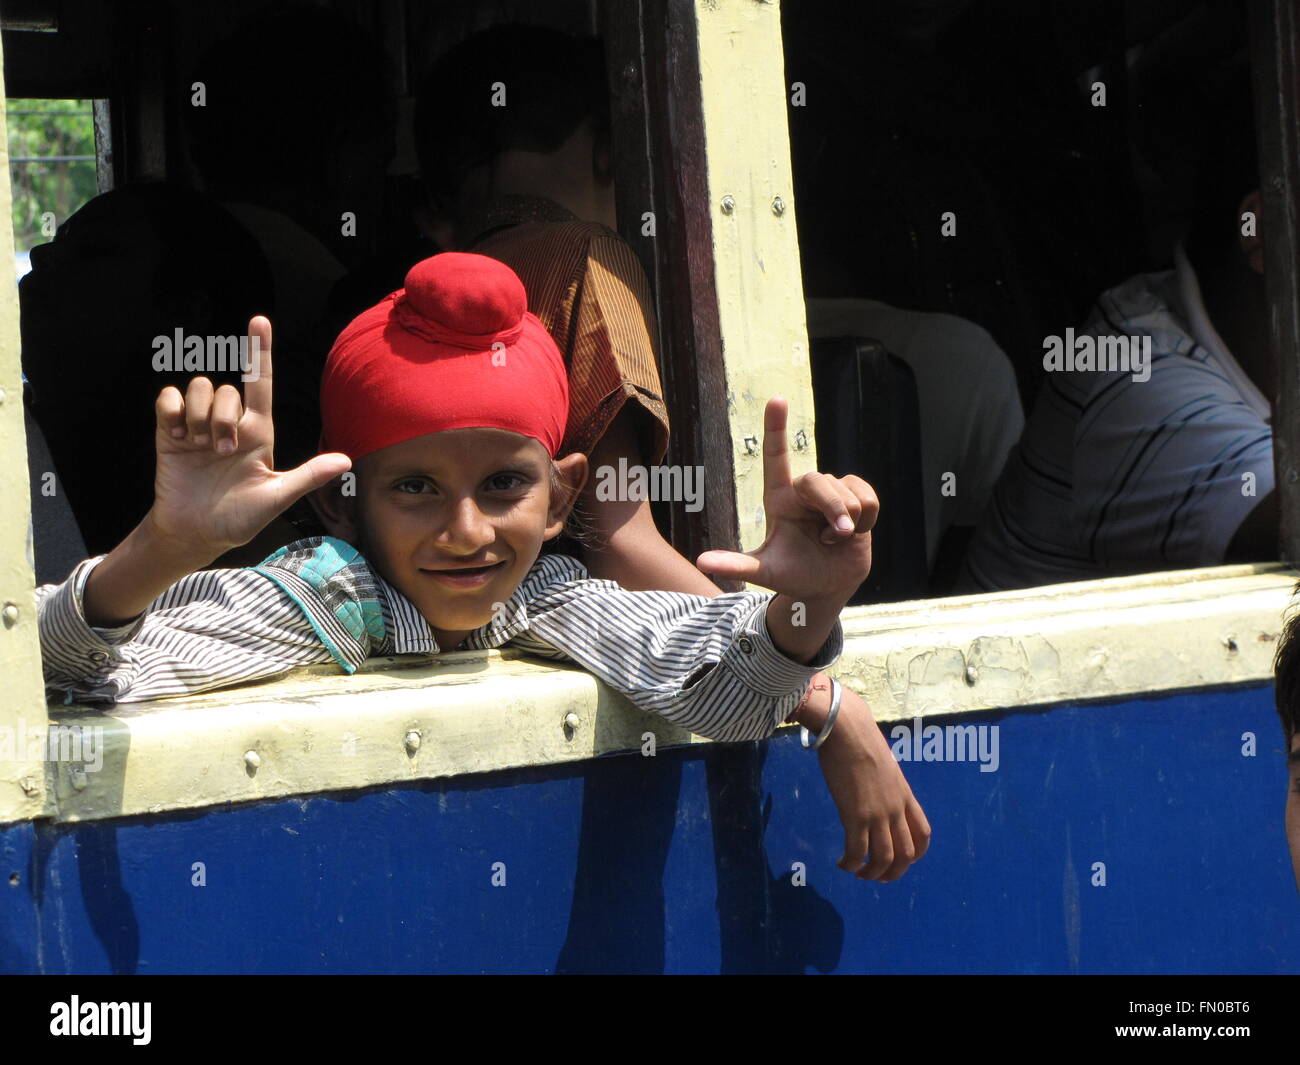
[[702, 153], [22, 710], [409, 719]]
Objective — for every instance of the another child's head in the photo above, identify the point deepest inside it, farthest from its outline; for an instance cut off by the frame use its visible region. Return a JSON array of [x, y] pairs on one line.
[[451, 401], [556, 125], [1286, 670], [131, 266]]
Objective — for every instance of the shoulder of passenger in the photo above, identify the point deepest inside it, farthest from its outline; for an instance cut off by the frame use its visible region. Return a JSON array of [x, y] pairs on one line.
[[593, 231]]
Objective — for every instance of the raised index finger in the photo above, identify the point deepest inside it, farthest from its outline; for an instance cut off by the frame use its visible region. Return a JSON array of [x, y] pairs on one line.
[[257, 377], [776, 458]]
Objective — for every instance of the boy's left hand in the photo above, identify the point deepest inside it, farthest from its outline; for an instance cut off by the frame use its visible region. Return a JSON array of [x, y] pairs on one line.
[[885, 828], [818, 544]]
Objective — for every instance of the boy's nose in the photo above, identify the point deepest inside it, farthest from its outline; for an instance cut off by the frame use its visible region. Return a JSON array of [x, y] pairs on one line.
[[467, 530]]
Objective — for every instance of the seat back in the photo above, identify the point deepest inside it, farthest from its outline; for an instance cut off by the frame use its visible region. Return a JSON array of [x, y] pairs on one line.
[[868, 423]]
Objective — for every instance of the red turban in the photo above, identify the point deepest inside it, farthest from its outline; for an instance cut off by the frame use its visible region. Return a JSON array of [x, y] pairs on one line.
[[454, 349]]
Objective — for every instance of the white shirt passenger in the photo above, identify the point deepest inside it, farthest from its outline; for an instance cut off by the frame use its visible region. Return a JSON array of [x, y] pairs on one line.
[[966, 394]]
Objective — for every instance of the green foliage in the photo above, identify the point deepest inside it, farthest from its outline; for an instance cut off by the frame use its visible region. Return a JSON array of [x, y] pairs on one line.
[[39, 129]]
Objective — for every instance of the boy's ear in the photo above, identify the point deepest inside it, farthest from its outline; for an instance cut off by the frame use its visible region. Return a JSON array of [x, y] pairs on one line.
[[573, 476], [335, 505]]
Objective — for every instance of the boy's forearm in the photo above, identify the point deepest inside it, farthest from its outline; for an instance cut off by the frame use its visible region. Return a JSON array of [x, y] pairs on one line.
[[135, 573], [630, 550], [639, 559], [800, 628]]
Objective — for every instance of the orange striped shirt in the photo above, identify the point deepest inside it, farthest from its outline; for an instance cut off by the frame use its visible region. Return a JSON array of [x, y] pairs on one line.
[[587, 287]]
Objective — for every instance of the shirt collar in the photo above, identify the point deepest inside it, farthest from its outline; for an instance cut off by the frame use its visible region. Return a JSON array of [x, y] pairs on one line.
[[513, 210], [405, 630], [1204, 333]]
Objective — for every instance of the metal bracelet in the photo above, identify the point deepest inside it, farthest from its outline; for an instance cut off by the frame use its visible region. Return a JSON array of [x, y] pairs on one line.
[[836, 692]]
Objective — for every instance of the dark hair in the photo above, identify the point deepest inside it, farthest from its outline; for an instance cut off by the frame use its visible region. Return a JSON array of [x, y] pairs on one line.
[[202, 251], [205, 249], [1286, 676], [552, 81], [210, 279]]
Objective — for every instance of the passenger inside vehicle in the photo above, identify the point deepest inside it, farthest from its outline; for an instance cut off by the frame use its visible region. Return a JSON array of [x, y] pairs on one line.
[[100, 311]]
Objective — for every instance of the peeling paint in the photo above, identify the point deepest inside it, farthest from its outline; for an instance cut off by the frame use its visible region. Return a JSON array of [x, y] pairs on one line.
[[1125, 636]]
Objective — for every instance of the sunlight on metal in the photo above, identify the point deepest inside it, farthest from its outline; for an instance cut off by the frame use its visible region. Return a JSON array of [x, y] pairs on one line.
[[755, 243]]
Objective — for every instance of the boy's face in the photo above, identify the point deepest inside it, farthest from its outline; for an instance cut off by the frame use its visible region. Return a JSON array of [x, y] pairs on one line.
[[1293, 807], [454, 520]]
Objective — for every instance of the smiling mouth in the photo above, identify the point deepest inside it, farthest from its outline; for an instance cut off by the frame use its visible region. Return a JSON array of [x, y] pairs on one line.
[[467, 569], [465, 574]]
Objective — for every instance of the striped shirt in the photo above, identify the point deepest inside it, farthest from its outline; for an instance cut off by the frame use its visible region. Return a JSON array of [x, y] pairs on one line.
[[1115, 475], [589, 290], [708, 665]]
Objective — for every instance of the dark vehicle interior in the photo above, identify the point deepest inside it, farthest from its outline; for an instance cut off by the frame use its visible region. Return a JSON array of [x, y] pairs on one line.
[[987, 166]]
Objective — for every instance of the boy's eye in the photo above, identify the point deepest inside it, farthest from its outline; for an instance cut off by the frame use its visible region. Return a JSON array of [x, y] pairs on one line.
[[412, 486], [505, 482]]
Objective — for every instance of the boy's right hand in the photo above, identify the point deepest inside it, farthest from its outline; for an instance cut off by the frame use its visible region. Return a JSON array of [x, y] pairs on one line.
[[215, 485]]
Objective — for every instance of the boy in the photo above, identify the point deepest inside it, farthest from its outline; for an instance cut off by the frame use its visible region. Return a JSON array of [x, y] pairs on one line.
[[532, 185], [448, 402]]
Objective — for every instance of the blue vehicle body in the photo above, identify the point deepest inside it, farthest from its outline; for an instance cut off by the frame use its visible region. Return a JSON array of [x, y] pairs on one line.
[[706, 859]]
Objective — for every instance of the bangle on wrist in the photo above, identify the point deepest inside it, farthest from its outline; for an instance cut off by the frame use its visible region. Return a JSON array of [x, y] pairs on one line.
[[820, 738]]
